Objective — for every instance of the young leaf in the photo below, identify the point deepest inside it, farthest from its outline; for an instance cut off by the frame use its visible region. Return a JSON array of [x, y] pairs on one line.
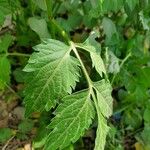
[[95, 55], [53, 72], [144, 20], [39, 26], [113, 66], [73, 117], [97, 61]]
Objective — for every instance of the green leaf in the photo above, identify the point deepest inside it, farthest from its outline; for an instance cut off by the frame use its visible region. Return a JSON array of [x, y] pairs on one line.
[[104, 109], [97, 61], [4, 71], [4, 10], [113, 5], [144, 20], [72, 118], [5, 134], [104, 98], [39, 26], [146, 115], [19, 75], [132, 3], [25, 126], [53, 74], [113, 66], [95, 53], [5, 42], [91, 40], [146, 136], [41, 4], [8, 7], [101, 133], [109, 27]]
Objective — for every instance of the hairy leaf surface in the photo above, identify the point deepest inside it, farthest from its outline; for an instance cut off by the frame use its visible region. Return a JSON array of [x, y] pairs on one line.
[[73, 117], [97, 61], [101, 133], [53, 73], [104, 109], [103, 92]]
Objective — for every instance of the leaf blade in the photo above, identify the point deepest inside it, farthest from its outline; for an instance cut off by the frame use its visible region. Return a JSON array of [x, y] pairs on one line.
[[52, 70], [67, 126]]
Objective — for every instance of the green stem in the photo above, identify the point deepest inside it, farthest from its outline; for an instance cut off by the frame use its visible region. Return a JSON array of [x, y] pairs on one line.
[[12, 90], [54, 24], [61, 32], [96, 104], [49, 8], [90, 83], [50, 17], [121, 65], [56, 8], [18, 54], [82, 65]]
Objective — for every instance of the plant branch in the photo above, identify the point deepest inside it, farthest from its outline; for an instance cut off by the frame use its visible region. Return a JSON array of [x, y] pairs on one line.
[[49, 8], [12, 90], [54, 24], [82, 65], [18, 54], [121, 65], [61, 31], [90, 83]]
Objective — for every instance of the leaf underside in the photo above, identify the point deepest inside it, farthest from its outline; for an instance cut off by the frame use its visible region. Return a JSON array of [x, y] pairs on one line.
[[104, 101], [53, 72], [73, 117]]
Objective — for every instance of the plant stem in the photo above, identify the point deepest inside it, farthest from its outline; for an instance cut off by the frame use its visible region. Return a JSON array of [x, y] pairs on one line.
[[90, 83], [54, 24], [96, 104], [61, 32], [12, 90], [121, 65], [49, 8], [125, 59], [56, 8], [82, 65], [18, 54]]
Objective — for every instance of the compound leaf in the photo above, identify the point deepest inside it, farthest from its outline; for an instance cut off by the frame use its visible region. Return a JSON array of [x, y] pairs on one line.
[[73, 117], [53, 73]]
